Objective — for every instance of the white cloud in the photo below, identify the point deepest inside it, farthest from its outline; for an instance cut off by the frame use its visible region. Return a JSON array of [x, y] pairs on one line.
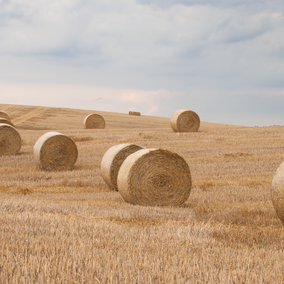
[[154, 100], [178, 48], [86, 97]]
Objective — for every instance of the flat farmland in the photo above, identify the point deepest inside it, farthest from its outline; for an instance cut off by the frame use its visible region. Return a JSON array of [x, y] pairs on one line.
[[69, 227]]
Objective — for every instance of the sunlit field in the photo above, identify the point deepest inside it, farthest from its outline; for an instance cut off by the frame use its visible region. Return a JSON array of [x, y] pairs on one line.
[[69, 227]]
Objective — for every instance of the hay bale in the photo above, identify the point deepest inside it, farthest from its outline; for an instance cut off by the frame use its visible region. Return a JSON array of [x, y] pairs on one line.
[[55, 151], [6, 121], [94, 121], [277, 192], [154, 177], [113, 159], [3, 114], [134, 113], [184, 120], [10, 140]]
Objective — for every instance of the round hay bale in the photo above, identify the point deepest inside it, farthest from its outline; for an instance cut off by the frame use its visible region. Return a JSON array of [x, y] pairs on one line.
[[154, 177], [3, 114], [55, 151], [277, 192], [6, 121], [94, 121], [184, 120], [135, 113], [113, 159], [10, 140]]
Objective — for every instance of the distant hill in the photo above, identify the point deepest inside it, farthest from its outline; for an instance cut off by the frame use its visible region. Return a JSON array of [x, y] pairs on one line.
[[50, 118]]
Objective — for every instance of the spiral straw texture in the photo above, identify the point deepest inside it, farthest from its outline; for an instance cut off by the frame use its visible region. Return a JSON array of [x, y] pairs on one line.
[[94, 121], [6, 121], [3, 114], [10, 140], [154, 177], [55, 151], [135, 113], [277, 192], [185, 121], [112, 161]]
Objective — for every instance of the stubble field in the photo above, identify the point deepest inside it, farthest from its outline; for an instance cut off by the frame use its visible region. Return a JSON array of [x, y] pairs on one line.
[[68, 227]]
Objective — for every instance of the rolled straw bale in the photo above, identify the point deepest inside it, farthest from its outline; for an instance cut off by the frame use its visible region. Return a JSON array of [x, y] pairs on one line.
[[184, 120], [3, 114], [94, 121], [113, 159], [55, 151], [154, 177], [6, 121], [277, 192], [135, 113], [10, 140]]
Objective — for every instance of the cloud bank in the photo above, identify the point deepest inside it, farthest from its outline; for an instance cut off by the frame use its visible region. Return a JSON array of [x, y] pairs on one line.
[[222, 59]]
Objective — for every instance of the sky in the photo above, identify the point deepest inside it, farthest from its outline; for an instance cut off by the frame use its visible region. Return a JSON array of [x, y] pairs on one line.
[[222, 59]]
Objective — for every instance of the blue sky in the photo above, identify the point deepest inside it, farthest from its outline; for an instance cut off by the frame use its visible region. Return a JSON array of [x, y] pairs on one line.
[[223, 59]]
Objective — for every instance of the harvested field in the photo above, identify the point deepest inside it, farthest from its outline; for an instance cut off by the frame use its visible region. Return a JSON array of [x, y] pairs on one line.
[[68, 227]]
